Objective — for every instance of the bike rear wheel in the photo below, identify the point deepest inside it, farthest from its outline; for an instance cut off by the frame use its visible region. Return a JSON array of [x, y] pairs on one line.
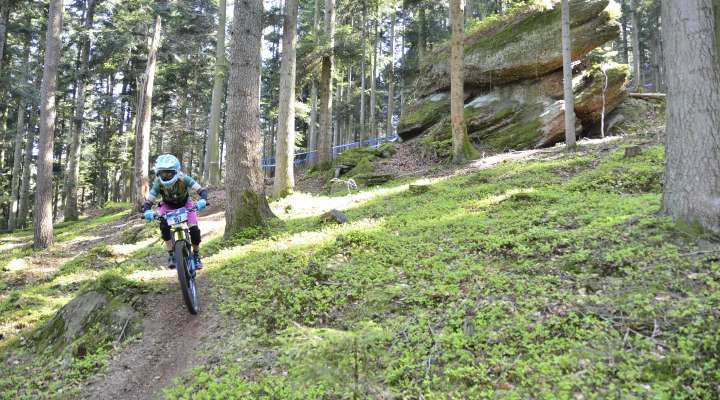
[[187, 281]]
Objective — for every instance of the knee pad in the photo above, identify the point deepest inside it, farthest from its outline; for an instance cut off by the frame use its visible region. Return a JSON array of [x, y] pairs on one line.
[[165, 230], [194, 235]]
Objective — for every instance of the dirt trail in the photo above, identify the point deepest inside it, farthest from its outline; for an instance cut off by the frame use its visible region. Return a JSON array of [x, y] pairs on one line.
[[170, 340], [171, 336]]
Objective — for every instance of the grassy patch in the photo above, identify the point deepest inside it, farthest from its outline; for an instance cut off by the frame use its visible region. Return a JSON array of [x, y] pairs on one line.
[[546, 279]]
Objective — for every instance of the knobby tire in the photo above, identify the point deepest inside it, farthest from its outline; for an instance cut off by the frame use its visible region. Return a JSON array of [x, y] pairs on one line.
[[181, 257]]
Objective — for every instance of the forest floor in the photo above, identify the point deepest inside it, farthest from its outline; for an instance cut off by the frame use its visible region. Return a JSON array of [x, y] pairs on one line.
[[528, 274]]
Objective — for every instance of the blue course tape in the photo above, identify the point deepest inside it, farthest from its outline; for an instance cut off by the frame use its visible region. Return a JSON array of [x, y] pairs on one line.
[[268, 162]]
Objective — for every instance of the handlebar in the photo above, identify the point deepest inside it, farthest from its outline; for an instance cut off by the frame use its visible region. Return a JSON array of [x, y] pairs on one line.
[[159, 216]]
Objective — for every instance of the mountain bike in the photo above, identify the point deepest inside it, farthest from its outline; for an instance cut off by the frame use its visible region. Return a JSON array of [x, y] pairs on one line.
[[183, 253]]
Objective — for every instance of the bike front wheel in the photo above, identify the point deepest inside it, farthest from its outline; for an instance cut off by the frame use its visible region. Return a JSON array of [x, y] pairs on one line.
[[187, 281]]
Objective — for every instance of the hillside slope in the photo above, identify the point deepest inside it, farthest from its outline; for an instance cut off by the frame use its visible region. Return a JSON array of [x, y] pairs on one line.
[[530, 274]]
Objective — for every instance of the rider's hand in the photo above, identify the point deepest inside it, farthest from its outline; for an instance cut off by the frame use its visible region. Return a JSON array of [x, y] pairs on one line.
[[149, 215], [202, 203]]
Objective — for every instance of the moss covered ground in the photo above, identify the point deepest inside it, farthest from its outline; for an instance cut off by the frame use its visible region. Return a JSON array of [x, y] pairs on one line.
[[547, 278], [553, 278]]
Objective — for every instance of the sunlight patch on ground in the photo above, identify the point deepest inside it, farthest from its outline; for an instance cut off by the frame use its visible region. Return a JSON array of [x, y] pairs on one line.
[[16, 265], [80, 239], [496, 199], [152, 275], [10, 246], [128, 249], [75, 278], [305, 238], [46, 306], [300, 205]]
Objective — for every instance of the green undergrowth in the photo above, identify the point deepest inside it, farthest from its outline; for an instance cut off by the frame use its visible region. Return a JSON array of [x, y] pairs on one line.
[[35, 285], [551, 278]]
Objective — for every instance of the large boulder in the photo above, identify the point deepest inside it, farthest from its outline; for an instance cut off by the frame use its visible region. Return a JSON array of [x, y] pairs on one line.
[[514, 81], [530, 113], [522, 46], [86, 323]]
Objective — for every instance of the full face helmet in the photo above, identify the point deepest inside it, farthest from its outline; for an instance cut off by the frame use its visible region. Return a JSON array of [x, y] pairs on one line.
[[167, 169]]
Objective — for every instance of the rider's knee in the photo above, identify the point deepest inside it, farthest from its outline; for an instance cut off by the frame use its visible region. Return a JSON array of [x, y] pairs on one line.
[[165, 230], [194, 235]]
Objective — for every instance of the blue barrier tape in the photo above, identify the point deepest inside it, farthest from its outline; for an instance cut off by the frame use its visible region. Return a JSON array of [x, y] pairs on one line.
[[269, 160]]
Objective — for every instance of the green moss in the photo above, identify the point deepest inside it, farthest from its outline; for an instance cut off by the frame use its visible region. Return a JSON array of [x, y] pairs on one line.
[[516, 136], [510, 282], [424, 112], [253, 211]]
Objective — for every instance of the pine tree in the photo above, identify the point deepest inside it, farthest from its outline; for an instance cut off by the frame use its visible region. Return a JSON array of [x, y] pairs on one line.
[[247, 205], [43, 221]]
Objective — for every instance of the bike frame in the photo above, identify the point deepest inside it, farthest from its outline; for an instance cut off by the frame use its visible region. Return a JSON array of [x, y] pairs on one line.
[[186, 270]]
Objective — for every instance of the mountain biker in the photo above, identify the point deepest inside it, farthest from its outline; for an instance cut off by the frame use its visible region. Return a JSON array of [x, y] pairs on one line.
[[173, 187]]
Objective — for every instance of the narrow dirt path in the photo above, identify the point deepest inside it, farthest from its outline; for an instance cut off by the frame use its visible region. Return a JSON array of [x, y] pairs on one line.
[[171, 336], [170, 340]]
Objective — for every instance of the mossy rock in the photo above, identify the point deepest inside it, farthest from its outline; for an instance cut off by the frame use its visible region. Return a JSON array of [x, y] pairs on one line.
[[87, 323], [523, 45], [422, 114]]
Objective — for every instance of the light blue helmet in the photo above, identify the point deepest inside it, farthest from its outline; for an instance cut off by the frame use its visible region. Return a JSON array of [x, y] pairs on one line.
[[167, 162]]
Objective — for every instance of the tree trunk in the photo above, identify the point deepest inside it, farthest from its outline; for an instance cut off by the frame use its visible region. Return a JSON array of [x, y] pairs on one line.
[[421, 36], [567, 78], [637, 56], [4, 17], [691, 193], [285, 155], [373, 79], [625, 43], [326, 88], [81, 80], [17, 164], [363, 85], [19, 136], [391, 77], [23, 207], [143, 119], [460, 143], [247, 205], [211, 173], [313, 128], [43, 222]]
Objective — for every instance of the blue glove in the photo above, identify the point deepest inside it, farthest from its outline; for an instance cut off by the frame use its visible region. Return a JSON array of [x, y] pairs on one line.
[[202, 203], [149, 215]]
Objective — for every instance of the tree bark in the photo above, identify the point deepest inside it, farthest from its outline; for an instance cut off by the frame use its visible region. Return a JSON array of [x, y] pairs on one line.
[[17, 164], [43, 223], [4, 17], [691, 193], [421, 36], [23, 207], [81, 80], [363, 85], [373, 79], [328, 62], [313, 128], [460, 143], [391, 77], [247, 205], [144, 117], [19, 136], [637, 56], [285, 153], [211, 173], [567, 78]]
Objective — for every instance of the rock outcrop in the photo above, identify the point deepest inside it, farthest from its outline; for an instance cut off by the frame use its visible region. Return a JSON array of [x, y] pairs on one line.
[[87, 322], [513, 80]]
